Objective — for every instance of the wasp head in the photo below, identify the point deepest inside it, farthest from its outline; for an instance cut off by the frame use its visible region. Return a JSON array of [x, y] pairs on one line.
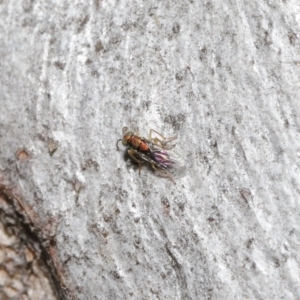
[[126, 136]]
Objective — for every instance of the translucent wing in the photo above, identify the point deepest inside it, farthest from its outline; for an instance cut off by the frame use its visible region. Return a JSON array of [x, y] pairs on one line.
[[165, 160], [168, 160]]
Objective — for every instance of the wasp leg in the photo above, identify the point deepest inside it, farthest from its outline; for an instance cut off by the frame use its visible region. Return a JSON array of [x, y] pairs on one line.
[[163, 173], [132, 153], [163, 138], [162, 142]]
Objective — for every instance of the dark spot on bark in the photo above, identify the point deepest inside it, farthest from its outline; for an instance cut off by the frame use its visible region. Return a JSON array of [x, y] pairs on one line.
[[88, 61], [107, 217], [95, 74], [146, 104], [59, 65], [176, 28], [82, 22], [97, 4], [246, 195], [267, 38], [233, 130], [202, 53], [116, 274], [90, 164], [292, 38], [52, 146], [179, 76], [286, 123], [215, 216], [276, 262], [175, 120], [166, 205], [122, 195], [104, 232], [250, 243], [27, 5], [99, 46], [115, 40]]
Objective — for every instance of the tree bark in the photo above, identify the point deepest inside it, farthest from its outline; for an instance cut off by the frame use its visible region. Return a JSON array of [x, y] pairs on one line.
[[223, 77]]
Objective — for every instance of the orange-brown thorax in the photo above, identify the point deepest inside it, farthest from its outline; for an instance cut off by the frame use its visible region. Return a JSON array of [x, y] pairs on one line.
[[135, 142]]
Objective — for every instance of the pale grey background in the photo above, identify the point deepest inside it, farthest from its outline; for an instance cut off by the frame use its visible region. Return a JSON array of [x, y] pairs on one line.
[[224, 77]]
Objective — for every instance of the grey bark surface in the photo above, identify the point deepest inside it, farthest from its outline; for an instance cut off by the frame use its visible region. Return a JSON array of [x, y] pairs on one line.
[[224, 77]]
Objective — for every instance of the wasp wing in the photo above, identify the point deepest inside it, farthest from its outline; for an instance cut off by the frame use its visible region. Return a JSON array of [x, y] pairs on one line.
[[163, 159]]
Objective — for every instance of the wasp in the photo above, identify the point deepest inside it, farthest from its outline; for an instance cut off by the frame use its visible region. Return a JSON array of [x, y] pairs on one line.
[[155, 150]]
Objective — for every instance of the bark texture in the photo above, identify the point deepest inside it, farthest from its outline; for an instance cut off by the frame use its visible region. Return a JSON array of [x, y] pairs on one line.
[[223, 76]]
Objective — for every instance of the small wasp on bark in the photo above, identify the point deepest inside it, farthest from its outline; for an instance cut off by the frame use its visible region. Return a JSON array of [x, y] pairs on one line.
[[155, 151]]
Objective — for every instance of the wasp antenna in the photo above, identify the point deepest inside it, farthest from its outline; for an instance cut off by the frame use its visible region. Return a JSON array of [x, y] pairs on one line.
[[125, 129], [117, 146]]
